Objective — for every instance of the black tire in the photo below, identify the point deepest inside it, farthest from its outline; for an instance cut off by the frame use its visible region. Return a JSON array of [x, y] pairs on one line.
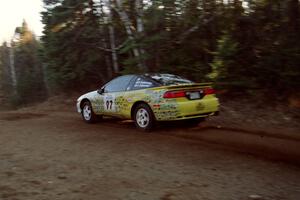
[[194, 122], [143, 117], [88, 114]]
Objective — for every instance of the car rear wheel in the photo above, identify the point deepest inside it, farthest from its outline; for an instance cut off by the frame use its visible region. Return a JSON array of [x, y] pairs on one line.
[[143, 117], [88, 114]]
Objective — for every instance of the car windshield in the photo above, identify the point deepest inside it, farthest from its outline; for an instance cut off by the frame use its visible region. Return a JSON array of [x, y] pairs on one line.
[[168, 79]]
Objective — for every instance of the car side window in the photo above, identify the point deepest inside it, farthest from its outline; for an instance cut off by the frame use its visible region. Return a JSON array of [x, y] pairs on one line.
[[143, 83], [118, 84]]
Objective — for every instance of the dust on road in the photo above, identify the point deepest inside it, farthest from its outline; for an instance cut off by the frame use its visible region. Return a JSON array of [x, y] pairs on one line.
[[55, 155]]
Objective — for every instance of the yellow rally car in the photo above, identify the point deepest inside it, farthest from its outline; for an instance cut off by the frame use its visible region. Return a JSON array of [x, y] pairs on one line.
[[150, 98]]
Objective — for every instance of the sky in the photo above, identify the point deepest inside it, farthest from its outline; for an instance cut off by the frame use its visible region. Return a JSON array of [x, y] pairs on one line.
[[12, 13]]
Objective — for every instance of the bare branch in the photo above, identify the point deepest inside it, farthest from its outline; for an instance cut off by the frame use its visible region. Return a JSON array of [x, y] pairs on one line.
[[193, 29], [103, 48]]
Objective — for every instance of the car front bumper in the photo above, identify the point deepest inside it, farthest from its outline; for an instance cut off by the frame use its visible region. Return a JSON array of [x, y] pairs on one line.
[[78, 108]]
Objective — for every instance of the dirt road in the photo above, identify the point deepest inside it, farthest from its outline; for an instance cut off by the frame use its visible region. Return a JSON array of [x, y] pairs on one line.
[[54, 155]]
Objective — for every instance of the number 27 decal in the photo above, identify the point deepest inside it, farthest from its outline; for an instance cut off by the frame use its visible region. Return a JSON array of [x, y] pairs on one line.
[[109, 104]]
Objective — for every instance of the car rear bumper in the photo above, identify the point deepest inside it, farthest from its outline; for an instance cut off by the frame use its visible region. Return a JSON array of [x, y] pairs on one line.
[[203, 115], [183, 109]]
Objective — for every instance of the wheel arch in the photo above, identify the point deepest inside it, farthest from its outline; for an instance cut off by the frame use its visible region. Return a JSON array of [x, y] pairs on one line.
[[83, 101], [135, 105]]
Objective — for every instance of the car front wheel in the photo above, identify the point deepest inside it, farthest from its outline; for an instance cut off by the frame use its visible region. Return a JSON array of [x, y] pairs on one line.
[[143, 117], [87, 113]]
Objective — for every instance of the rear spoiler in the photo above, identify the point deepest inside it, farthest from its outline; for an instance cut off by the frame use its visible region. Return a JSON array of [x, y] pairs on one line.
[[190, 85], [184, 86]]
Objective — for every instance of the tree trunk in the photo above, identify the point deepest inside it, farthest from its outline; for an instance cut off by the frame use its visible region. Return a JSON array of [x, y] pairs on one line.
[[110, 69], [127, 24], [139, 17], [294, 15], [140, 25], [112, 39], [12, 69]]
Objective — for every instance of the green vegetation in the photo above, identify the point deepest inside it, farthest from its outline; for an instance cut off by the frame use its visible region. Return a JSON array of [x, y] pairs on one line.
[[22, 80], [245, 46]]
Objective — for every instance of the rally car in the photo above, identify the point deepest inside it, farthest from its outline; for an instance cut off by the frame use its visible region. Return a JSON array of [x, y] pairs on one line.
[[149, 98]]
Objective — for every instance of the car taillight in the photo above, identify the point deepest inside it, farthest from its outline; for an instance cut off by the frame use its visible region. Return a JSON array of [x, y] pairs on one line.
[[174, 94], [209, 91]]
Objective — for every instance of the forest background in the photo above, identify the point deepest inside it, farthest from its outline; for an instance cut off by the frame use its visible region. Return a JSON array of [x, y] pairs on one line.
[[247, 48]]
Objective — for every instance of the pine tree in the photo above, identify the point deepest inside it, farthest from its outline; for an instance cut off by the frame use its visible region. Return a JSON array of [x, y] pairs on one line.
[[70, 41], [29, 70]]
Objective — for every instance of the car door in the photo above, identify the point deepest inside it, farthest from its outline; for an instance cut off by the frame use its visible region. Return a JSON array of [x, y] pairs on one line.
[[136, 91], [112, 95]]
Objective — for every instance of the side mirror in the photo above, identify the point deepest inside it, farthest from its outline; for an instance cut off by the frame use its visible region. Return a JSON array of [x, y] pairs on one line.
[[100, 91]]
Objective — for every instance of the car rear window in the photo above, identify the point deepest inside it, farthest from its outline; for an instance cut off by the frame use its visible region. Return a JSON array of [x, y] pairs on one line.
[[168, 79]]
